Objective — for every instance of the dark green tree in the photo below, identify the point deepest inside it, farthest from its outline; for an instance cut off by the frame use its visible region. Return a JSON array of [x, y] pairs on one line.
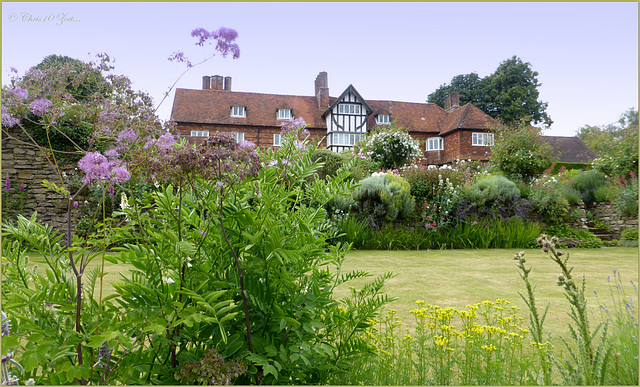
[[509, 94], [468, 87]]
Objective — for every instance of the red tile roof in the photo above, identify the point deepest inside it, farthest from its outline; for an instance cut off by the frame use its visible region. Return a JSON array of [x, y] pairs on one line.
[[213, 107]]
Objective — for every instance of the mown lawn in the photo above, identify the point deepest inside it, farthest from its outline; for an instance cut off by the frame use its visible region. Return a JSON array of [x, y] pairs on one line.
[[461, 277]]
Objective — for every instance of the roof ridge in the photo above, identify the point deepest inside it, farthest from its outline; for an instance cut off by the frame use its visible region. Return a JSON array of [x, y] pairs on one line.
[[464, 114]]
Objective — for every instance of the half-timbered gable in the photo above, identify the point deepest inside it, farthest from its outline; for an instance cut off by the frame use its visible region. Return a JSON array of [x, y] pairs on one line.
[[346, 120]]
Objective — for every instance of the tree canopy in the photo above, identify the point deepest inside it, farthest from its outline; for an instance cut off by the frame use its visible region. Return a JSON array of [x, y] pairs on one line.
[[616, 145], [509, 94]]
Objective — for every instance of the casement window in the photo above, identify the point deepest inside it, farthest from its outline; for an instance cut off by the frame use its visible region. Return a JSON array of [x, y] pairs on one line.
[[239, 137], [435, 144], [349, 108], [199, 133], [346, 138], [284, 114], [238, 111], [482, 139], [277, 140], [382, 119]]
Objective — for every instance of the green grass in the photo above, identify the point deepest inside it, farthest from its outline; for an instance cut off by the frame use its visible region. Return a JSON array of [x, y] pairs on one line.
[[457, 278]]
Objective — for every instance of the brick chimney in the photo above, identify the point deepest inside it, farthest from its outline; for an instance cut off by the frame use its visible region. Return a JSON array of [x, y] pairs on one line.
[[322, 90], [206, 82], [227, 83], [217, 82], [451, 100]]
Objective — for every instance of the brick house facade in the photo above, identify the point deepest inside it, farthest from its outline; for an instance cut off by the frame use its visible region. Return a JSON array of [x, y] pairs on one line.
[[455, 132]]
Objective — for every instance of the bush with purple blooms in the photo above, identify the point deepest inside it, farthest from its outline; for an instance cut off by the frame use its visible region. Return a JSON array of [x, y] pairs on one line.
[[228, 251]]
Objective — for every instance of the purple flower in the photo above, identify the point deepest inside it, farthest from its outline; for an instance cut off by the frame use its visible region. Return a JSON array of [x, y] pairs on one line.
[[126, 137], [75, 204], [272, 163], [180, 57], [6, 325], [21, 187], [119, 175], [224, 38], [39, 106], [20, 93], [7, 184], [294, 125], [96, 167], [164, 142], [112, 153], [247, 145], [7, 119]]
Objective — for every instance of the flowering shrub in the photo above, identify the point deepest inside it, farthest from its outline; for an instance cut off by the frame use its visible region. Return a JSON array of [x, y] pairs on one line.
[[439, 211], [587, 183], [391, 147]]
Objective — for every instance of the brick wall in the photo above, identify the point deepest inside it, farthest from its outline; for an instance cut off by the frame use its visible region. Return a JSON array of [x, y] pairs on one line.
[[260, 135]]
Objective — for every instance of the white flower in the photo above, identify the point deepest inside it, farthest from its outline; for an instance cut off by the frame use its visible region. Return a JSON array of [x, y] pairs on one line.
[[30, 382], [168, 280]]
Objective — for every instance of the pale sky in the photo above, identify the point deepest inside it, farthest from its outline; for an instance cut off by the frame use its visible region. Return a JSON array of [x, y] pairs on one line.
[[586, 53]]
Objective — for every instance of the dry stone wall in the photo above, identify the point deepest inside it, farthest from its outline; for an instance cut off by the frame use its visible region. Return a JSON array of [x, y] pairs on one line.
[[608, 215], [26, 167]]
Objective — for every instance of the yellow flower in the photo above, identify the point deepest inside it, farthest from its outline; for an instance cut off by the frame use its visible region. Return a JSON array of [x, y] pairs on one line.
[[489, 347], [487, 303], [420, 302]]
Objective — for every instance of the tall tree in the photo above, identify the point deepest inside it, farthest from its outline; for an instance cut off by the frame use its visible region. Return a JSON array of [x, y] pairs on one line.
[[509, 94], [468, 86], [616, 145]]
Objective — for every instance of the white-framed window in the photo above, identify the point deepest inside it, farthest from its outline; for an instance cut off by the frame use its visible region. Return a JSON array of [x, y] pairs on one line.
[[382, 119], [349, 108], [435, 144], [238, 111], [284, 114], [482, 139], [346, 138], [239, 137], [199, 133], [277, 140]]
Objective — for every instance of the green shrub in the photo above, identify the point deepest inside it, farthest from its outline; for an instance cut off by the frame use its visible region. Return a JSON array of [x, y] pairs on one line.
[[627, 201], [382, 198], [490, 188], [629, 237], [587, 238], [587, 182], [556, 167], [331, 162]]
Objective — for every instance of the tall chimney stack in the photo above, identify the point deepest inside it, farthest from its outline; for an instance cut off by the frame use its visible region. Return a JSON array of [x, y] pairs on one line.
[[217, 82], [322, 90], [206, 82], [451, 100], [227, 83]]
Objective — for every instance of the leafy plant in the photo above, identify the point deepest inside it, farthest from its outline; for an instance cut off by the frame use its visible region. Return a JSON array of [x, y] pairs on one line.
[[382, 198], [391, 147], [587, 183]]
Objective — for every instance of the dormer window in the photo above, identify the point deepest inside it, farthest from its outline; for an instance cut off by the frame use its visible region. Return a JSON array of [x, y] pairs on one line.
[[382, 119], [349, 108], [284, 114], [238, 111]]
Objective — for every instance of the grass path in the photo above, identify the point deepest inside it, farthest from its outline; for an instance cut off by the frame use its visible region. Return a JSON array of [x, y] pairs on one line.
[[460, 277]]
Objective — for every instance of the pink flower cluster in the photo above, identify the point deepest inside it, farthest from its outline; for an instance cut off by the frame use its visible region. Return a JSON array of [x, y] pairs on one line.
[[430, 213], [98, 168]]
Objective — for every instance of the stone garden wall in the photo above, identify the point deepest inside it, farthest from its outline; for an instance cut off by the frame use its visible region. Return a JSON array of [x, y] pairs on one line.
[[26, 167], [607, 214]]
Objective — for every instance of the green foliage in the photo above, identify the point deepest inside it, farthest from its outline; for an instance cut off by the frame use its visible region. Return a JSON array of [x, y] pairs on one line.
[[390, 147], [510, 93], [586, 238], [587, 183], [557, 166], [488, 189], [616, 145], [627, 201], [383, 197], [331, 162], [510, 233], [520, 152]]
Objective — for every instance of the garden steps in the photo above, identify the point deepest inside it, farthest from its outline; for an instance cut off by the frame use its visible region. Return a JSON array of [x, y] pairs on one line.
[[602, 233]]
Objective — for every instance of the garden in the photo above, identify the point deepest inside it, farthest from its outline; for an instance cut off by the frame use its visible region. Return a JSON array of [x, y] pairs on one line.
[[222, 263]]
